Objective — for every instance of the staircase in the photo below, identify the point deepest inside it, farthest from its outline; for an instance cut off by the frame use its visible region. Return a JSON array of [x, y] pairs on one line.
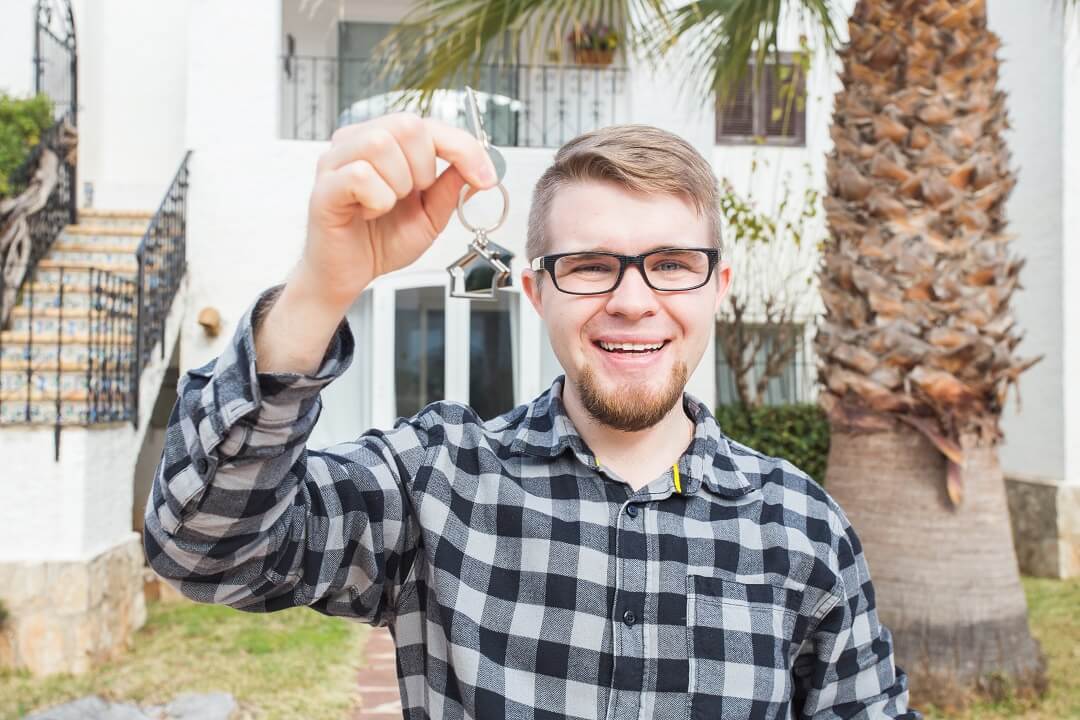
[[67, 354]]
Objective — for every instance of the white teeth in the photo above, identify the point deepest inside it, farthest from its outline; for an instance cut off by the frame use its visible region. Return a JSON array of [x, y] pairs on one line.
[[632, 347]]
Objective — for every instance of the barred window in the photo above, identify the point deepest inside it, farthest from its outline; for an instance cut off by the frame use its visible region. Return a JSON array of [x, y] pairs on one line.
[[767, 106], [789, 383]]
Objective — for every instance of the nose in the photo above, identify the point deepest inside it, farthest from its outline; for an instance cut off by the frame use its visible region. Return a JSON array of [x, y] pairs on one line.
[[633, 297]]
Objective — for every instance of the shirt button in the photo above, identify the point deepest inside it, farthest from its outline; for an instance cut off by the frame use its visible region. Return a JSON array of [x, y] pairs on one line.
[[629, 618], [631, 510], [201, 466]]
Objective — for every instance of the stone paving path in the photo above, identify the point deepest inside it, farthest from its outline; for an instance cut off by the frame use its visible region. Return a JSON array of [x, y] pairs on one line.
[[380, 698]]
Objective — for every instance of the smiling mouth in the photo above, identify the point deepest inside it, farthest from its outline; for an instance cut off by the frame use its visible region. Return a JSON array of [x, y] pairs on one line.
[[631, 348]]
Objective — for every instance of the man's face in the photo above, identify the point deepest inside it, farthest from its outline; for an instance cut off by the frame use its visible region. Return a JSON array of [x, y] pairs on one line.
[[626, 390]]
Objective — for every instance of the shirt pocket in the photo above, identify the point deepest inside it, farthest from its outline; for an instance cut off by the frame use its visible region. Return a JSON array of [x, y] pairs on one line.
[[739, 644]]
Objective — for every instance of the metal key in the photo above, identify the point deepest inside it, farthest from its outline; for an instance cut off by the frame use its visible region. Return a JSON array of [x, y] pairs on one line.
[[476, 124], [485, 268]]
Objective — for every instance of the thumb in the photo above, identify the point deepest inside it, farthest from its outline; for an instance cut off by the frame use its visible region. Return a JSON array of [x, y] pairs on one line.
[[441, 199]]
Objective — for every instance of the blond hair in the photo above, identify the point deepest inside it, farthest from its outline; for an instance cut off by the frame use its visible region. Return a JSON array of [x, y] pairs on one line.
[[639, 158]]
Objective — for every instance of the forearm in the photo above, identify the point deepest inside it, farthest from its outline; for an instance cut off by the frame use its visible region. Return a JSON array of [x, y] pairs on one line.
[[293, 334]]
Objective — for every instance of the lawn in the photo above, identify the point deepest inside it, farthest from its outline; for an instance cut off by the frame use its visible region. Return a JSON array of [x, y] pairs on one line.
[[290, 664], [299, 663]]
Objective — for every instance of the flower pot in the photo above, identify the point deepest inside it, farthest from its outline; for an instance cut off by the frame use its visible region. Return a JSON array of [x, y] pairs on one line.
[[593, 57]]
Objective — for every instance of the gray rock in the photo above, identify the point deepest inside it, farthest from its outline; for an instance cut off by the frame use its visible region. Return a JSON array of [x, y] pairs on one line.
[[188, 706], [90, 708], [208, 706]]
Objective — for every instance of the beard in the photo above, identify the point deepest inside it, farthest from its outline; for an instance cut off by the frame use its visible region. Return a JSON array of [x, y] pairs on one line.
[[630, 408]]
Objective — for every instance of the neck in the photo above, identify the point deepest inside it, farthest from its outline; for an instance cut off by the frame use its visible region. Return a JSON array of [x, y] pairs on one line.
[[664, 441]]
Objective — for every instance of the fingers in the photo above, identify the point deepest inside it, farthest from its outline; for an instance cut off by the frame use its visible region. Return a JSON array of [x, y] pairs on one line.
[[464, 152], [440, 200], [357, 183], [419, 141]]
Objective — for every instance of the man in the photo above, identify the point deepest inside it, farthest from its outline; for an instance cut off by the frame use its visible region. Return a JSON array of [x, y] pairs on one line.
[[602, 552]]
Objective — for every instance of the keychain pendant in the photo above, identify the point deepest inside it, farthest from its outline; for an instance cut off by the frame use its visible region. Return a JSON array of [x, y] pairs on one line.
[[485, 268]]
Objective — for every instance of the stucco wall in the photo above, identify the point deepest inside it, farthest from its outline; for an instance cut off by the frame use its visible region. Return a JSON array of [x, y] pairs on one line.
[[1032, 75], [81, 505]]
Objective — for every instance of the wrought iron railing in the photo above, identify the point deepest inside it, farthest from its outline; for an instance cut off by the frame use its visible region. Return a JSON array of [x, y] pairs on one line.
[[524, 105], [56, 57], [162, 262], [85, 333]]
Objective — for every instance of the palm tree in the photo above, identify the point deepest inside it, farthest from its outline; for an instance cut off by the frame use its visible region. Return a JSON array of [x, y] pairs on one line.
[[917, 342]]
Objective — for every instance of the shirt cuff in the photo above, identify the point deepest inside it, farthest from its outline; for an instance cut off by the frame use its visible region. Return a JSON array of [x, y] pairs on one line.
[[277, 408]]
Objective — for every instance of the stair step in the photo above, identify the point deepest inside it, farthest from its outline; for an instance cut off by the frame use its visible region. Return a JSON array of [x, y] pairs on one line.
[[90, 213], [99, 260], [76, 395], [13, 337], [75, 298], [70, 352], [49, 312], [22, 365], [109, 230], [75, 411], [119, 268], [13, 384], [74, 245], [103, 326]]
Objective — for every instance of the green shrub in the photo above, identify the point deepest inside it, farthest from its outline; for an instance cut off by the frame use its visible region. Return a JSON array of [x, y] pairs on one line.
[[797, 433], [3, 614], [22, 121]]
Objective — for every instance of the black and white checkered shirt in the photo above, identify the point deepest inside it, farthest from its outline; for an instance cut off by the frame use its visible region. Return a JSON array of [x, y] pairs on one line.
[[519, 577]]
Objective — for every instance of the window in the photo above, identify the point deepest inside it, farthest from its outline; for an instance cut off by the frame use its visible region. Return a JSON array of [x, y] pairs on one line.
[[770, 107], [491, 356], [788, 385], [419, 352]]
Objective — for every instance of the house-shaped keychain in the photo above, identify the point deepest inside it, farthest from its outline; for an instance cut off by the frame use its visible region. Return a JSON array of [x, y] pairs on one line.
[[481, 271]]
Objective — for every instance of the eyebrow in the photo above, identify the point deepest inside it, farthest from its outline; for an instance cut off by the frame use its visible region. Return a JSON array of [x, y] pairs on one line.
[[604, 248]]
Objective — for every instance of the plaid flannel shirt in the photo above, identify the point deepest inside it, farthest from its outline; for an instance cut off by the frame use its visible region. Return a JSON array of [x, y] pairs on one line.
[[518, 576]]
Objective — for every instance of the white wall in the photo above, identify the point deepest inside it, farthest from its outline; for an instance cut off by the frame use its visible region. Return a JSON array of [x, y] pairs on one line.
[[1070, 248], [1032, 76], [17, 47], [132, 59]]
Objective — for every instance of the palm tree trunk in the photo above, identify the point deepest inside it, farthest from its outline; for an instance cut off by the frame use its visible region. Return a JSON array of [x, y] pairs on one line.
[[946, 578]]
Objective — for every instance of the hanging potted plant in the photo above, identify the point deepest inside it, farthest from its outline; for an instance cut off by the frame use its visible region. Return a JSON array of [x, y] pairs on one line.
[[593, 43]]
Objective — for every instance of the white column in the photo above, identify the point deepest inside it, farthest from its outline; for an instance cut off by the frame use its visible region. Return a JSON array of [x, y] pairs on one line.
[[383, 405], [457, 348]]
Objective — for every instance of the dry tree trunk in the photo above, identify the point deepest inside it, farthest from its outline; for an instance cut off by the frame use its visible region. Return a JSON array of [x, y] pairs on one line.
[[946, 579], [15, 237]]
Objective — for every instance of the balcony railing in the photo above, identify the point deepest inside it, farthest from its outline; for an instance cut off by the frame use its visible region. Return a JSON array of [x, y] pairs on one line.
[[524, 105]]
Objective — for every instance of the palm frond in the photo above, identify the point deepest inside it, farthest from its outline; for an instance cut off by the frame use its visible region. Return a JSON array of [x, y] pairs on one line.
[[444, 43], [720, 40]]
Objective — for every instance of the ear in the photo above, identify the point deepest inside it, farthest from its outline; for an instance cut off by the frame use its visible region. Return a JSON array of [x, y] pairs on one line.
[[723, 284], [530, 284]]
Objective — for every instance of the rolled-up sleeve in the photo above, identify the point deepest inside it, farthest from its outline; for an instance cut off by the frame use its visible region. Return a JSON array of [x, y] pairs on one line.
[[848, 671], [242, 513]]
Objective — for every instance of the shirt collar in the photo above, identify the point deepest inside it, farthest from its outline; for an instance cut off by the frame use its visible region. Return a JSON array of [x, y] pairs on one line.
[[547, 431]]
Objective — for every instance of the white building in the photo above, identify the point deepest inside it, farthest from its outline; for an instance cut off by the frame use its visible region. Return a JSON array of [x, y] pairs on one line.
[[254, 87]]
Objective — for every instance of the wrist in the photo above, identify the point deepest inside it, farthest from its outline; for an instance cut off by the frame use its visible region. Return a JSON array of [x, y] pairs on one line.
[[305, 286]]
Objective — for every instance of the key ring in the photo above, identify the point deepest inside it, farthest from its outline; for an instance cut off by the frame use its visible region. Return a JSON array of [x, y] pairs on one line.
[[483, 231]]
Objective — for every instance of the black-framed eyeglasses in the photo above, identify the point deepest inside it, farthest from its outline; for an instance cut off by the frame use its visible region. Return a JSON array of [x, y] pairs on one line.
[[599, 272]]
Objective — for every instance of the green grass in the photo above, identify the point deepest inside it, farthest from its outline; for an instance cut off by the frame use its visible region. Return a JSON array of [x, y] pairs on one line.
[[290, 664], [1054, 607]]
